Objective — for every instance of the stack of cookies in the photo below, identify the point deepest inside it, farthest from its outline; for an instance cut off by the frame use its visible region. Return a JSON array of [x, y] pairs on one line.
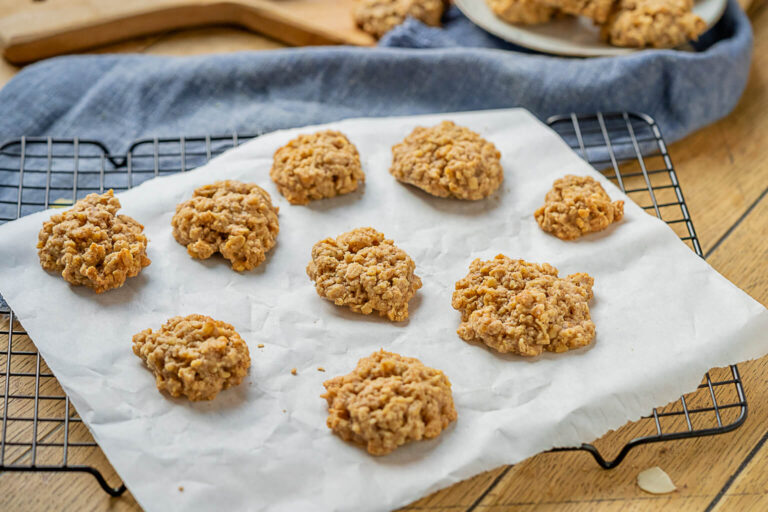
[[630, 23]]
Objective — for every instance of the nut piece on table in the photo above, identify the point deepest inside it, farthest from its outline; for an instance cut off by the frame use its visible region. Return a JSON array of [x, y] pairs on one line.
[[575, 206], [317, 166], [195, 356], [366, 272], [652, 23], [235, 219], [523, 308], [91, 245], [387, 401], [377, 17], [525, 12], [447, 160]]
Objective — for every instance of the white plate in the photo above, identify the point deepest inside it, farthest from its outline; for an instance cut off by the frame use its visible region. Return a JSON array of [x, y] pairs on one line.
[[575, 37]]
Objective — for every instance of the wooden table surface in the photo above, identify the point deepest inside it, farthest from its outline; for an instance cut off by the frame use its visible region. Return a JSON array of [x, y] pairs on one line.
[[723, 170]]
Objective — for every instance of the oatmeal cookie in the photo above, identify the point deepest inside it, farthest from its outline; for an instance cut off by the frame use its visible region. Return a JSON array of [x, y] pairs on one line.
[[652, 23], [195, 356], [366, 272], [526, 12], [448, 161], [597, 10], [316, 166], [93, 246], [387, 401], [523, 308], [575, 206], [377, 17], [233, 218]]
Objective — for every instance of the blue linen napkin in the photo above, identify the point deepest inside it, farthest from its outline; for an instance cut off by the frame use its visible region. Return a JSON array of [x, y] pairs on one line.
[[418, 69]]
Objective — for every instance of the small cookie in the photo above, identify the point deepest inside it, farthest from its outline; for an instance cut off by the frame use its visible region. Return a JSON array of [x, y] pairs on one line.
[[596, 10], [525, 12], [387, 401], [366, 272], [523, 308], [316, 166], [235, 219], [448, 161], [377, 17], [652, 23], [195, 356], [575, 206], [93, 246]]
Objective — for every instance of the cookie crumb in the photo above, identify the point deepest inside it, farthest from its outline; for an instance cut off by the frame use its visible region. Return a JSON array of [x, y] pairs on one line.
[[260, 345], [293, 371], [320, 369], [181, 488]]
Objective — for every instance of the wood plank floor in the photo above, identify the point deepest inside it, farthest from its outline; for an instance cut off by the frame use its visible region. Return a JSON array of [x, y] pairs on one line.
[[723, 170]]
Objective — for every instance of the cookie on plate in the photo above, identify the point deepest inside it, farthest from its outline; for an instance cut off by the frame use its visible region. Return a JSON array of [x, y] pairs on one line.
[[447, 160], [377, 17], [575, 206], [525, 12], [597, 10], [195, 356], [233, 218], [317, 166], [523, 308], [652, 23], [387, 401], [366, 272], [91, 245]]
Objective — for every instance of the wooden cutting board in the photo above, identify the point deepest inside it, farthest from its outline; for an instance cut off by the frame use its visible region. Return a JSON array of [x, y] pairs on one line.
[[31, 30]]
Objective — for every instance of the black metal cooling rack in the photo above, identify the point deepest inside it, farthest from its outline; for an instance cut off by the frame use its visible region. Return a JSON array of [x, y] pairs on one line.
[[42, 432]]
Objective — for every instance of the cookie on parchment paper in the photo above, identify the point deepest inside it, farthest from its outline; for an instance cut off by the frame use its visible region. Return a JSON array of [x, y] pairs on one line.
[[524, 308], [194, 356], [387, 401], [233, 218], [91, 245]]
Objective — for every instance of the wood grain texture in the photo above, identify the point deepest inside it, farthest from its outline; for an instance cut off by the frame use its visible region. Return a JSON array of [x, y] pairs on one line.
[[35, 30], [723, 171]]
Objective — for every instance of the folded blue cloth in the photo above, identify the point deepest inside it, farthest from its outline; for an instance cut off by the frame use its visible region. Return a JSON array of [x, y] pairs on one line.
[[117, 98]]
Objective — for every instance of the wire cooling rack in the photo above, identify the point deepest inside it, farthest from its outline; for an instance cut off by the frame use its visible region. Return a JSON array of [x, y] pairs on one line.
[[42, 432]]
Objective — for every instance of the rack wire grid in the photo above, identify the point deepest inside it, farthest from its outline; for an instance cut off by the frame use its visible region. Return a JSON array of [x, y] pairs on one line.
[[42, 432]]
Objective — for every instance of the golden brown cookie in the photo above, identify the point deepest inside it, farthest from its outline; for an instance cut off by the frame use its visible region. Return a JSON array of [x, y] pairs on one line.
[[652, 23], [377, 17], [235, 219], [596, 10], [93, 246], [366, 272], [523, 308], [448, 161], [526, 12], [575, 206], [195, 356], [387, 401], [316, 166]]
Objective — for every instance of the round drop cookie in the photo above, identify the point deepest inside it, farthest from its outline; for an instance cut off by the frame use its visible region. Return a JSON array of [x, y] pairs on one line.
[[523, 308], [387, 401], [366, 272], [195, 356], [448, 161], [377, 17], [575, 206], [93, 246], [316, 166], [235, 219], [526, 12]]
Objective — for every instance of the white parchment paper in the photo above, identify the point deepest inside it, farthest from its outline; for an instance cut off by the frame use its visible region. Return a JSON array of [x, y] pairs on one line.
[[663, 318]]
